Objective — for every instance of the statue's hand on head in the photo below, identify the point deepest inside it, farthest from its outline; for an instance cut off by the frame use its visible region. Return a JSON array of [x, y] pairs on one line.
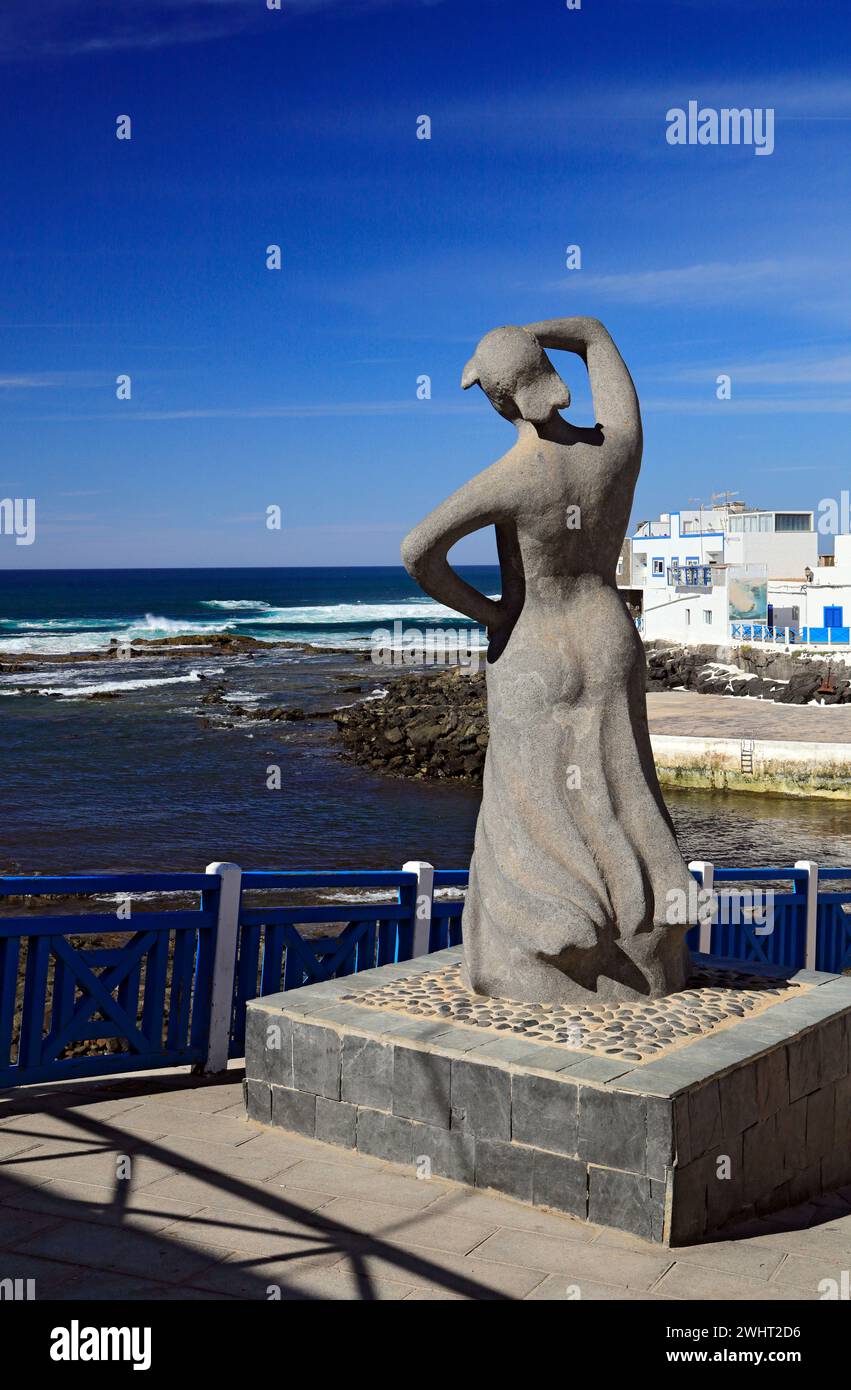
[[511, 366]]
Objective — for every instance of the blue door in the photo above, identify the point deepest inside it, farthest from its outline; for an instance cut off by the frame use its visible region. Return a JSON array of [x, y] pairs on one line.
[[833, 617]]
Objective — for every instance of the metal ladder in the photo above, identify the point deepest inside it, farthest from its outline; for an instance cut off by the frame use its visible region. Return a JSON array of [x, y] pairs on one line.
[[747, 756]]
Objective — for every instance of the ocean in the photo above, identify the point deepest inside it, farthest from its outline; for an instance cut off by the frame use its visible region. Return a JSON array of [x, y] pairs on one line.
[[139, 782]]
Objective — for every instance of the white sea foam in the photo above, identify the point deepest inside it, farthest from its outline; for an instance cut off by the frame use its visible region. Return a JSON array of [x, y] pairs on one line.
[[48, 646], [118, 687], [60, 635], [58, 624], [234, 603], [82, 636], [324, 615], [153, 626]]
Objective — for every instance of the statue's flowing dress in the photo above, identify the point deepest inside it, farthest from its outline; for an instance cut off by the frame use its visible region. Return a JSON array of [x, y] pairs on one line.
[[577, 879]]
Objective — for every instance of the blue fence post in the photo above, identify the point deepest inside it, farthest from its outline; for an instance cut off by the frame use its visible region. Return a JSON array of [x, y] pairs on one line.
[[224, 966], [424, 904], [811, 932]]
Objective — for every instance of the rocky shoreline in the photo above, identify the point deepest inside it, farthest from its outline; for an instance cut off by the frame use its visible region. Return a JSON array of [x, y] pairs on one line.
[[765, 675], [429, 724], [433, 725]]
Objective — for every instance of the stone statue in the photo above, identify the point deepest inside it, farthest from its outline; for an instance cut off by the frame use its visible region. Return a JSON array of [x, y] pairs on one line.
[[576, 873]]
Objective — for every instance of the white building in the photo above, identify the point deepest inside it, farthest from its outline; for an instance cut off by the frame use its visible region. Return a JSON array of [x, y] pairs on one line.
[[693, 573], [819, 609]]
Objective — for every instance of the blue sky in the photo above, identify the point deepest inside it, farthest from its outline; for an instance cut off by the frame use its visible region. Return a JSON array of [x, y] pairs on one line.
[[297, 387]]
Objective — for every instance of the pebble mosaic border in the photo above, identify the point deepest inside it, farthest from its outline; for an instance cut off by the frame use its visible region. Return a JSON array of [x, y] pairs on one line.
[[635, 1032]]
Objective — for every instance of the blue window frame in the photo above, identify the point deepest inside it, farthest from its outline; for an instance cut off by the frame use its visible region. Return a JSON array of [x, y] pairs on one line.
[[833, 617], [658, 567]]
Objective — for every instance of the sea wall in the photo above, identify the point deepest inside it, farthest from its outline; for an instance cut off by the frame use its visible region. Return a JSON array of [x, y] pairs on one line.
[[787, 768]]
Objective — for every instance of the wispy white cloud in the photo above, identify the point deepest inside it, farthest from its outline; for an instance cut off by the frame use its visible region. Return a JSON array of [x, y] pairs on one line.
[[81, 28], [793, 468], [332, 410], [792, 370], [690, 284], [36, 381], [22, 383], [752, 405]]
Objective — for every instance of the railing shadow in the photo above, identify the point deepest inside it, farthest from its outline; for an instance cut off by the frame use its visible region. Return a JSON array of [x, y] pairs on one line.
[[317, 1236]]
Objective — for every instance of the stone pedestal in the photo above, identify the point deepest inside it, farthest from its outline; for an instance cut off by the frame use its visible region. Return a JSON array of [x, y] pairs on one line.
[[668, 1134]]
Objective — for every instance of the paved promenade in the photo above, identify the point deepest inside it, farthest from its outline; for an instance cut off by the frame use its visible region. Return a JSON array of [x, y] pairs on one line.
[[687, 714], [157, 1188]]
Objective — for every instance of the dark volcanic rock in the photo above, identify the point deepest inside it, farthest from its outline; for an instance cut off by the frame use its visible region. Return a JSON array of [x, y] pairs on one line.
[[428, 725]]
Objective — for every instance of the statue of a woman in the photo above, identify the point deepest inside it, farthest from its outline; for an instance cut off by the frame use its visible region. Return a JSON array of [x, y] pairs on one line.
[[576, 875]]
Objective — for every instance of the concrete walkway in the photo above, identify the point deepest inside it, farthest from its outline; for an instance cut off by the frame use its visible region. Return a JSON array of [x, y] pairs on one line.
[[158, 1188], [685, 713]]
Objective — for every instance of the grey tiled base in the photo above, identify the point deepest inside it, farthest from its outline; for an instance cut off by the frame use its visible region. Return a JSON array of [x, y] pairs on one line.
[[750, 1120]]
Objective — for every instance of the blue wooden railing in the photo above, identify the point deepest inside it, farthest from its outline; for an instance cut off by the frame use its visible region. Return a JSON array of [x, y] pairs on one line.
[[147, 989], [151, 991]]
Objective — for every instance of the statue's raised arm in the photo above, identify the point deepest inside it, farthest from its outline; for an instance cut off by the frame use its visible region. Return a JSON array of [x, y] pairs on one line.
[[424, 550], [612, 389]]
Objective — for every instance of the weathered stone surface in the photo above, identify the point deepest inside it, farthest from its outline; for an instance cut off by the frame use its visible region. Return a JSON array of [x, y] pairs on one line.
[[564, 659], [623, 1200], [295, 1110], [705, 1117], [451, 1153], [725, 1186], [820, 1124], [269, 1046], [660, 1137], [804, 1066], [842, 1110], [545, 1113], [421, 1086], [682, 1131], [762, 1159], [367, 1075], [561, 1183], [258, 1100], [772, 1082], [316, 1060], [833, 1050], [689, 1215], [384, 1136], [481, 1100], [336, 1122], [613, 1129], [835, 1170], [505, 1167], [792, 1137], [739, 1104]]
